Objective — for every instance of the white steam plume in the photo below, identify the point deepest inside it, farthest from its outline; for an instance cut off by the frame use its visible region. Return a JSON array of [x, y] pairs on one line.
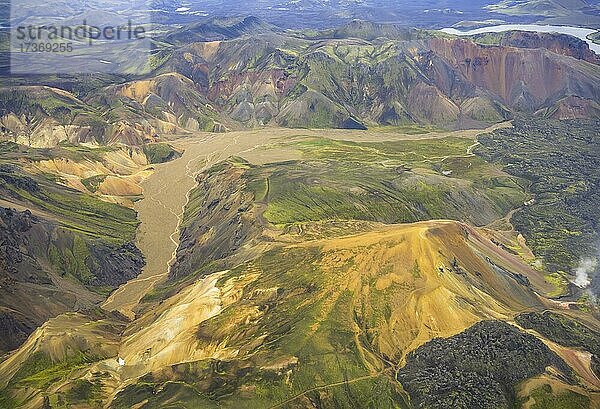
[[587, 266]]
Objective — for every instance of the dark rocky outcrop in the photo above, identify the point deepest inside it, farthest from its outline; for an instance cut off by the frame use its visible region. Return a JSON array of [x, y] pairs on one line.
[[561, 160], [559, 43], [218, 29], [46, 270], [113, 266], [562, 330], [15, 229], [477, 368], [13, 331], [219, 219]]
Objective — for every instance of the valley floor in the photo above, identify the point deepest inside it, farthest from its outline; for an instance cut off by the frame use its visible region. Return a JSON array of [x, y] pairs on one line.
[[166, 193], [320, 268], [166, 190]]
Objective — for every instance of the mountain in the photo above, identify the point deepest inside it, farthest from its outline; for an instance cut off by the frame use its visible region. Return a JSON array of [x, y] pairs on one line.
[[67, 236], [362, 216], [558, 43], [218, 29], [356, 321], [43, 116], [229, 74], [367, 74], [39, 284], [345, 268], [46, 116], [170, 102], [343, 310], [355, 326]]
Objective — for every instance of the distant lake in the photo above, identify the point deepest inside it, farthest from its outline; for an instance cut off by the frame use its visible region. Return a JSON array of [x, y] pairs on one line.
[[578, 32]]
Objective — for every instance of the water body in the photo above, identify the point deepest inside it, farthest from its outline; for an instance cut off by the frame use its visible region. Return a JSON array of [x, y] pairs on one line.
[[578, 32]]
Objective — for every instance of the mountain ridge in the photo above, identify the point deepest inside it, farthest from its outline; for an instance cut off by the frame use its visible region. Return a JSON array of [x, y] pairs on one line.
[[361, 75]]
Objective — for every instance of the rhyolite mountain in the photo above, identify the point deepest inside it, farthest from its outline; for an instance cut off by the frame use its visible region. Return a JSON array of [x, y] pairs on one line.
[[365, 74], [330, 280], [412, 249], [243, 73], [60, 249]]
